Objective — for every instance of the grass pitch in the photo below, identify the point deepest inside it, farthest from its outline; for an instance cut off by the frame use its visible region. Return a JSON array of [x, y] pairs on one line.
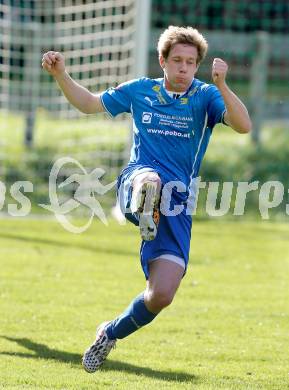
[[226, 329]]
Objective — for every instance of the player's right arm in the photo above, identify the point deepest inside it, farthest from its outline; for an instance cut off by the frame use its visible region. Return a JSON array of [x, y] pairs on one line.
[[80, 97]]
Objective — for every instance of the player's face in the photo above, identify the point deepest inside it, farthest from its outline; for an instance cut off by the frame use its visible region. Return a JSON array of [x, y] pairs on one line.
[[180, 67]]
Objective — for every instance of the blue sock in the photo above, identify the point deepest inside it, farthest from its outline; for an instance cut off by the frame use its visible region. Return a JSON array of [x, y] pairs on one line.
[[133, 318]]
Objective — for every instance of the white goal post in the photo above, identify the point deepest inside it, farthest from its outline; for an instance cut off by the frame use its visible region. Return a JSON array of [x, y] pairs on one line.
[[105, 42]]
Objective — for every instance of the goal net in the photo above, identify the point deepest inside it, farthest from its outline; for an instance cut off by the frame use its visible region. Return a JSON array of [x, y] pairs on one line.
[[103, 42]]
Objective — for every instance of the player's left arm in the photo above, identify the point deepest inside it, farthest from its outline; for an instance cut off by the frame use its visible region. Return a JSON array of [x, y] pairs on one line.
[[236, 115]]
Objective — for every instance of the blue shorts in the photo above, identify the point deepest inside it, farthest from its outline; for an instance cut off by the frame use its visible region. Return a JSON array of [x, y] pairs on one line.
[[174, 232]]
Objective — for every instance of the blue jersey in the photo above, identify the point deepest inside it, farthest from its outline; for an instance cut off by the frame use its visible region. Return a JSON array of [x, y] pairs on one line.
[[170, 135]]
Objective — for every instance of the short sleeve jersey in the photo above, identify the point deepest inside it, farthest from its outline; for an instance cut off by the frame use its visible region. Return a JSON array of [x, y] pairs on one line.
[[169, 135]]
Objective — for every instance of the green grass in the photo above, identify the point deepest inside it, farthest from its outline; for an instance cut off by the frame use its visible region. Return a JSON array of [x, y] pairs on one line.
[[226, 329], [66, 135]]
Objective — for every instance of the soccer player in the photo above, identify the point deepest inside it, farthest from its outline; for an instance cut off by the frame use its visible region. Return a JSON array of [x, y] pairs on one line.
[[173, 118]]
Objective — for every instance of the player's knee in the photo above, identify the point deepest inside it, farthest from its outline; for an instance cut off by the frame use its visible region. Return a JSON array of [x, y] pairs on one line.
[[139, 184], [161, 298], [152, 177], [147, 177]]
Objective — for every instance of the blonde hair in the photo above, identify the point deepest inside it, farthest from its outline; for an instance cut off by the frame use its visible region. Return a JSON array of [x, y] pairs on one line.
[[185, 35]]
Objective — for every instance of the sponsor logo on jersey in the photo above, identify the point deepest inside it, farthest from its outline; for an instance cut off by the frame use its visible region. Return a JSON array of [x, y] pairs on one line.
[[148, 100], [147, 117], [184, 100], [156, 88], [161, 99]]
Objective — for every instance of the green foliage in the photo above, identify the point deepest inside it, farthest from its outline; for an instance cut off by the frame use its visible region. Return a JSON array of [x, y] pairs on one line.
[[233, 158], [223, 15], [244, 161]]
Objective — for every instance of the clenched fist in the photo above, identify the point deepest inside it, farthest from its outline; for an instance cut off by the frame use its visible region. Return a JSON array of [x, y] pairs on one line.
[[219, 71], [53, 62]]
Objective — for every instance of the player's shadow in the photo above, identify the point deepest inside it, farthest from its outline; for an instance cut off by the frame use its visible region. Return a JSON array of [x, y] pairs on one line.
[[62, 244], [42, 351]]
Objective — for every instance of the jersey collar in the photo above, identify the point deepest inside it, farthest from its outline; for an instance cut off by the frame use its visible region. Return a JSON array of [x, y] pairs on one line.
[[168, 99]]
